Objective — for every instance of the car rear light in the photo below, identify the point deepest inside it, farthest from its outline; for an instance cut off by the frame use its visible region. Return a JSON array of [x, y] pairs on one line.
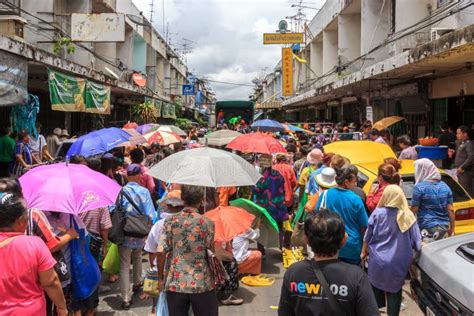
[[465, 214]]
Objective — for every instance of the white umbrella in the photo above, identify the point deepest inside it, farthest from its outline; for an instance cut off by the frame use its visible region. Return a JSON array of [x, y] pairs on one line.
[[221, 137], [206, 167], [172, 128]]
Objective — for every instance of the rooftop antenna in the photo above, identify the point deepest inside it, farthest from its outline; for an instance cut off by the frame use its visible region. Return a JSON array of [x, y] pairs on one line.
[[152, 7]]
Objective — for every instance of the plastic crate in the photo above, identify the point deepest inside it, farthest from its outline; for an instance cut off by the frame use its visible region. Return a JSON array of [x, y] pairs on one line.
[[432, 152]]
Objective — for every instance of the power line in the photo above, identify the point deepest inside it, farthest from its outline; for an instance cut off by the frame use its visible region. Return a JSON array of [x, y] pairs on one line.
[[229, 83]]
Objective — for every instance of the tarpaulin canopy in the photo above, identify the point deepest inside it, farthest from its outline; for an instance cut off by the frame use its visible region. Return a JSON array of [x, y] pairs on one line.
[[13, 79]]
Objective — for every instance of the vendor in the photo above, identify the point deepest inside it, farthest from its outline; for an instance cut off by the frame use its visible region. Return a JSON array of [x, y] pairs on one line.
[[249, 261]]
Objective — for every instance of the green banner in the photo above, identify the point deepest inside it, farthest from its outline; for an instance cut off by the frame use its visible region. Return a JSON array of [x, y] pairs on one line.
[[66, 92], [97, 97], [168, 111]]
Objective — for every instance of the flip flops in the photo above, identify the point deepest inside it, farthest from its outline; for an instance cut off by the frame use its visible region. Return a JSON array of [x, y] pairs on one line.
[[258, 280]]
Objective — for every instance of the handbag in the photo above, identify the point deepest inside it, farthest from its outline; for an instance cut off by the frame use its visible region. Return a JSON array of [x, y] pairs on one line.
[[162, 305], [218, 271], [60, 267], [138, 225], [85, 272], [333, 302], [150, 283]]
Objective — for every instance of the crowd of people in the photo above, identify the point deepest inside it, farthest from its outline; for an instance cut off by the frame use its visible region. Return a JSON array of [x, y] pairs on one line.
[[307, 191]]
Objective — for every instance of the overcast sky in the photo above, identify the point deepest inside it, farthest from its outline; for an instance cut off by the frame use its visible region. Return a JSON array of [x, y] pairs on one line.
[[227, 37]]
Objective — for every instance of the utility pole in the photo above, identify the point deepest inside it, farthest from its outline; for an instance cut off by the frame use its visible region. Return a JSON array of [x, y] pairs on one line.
[[152, 8], [186, 48]]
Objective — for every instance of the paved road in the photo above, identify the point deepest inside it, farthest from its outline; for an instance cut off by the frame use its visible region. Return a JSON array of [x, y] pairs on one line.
[[257, 300]]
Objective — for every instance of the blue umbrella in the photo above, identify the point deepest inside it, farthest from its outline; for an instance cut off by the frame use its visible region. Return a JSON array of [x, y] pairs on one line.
[[296, 128], [98, 142], [267, 126], [147, 128]]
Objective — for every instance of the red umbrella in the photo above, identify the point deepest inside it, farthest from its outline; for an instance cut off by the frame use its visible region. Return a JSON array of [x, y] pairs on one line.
[[257, 143], [229, 221], [163, 138], [130, 125]]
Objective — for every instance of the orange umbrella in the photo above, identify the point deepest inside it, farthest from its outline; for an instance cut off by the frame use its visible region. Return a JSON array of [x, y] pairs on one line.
[[229, 221]]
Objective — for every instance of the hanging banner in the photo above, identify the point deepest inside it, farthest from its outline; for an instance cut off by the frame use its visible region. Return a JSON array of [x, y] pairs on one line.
[[97, 98], [13, 79], [287, 71], [66, 92], [168, 111]]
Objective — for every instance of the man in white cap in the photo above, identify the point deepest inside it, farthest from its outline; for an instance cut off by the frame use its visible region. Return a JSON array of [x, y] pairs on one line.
[[53, 141]]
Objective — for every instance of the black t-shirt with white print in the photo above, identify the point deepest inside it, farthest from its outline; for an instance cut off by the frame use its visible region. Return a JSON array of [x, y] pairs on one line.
[[302, 294]]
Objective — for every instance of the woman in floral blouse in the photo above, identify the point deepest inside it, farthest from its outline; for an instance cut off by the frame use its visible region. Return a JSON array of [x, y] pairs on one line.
[[184, 242]]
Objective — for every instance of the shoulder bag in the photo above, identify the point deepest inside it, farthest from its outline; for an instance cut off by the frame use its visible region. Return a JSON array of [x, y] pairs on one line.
[[218, 271], [333, 302]]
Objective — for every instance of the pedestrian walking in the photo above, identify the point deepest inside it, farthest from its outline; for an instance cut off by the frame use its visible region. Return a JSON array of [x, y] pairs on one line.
[[53, 141], [24, 160], [286, 170], [447, 138], [138, 200], [27, 265], [7, 147], [386, 175], [326, 285], [183, 245], [350, 207], [391, 237], [464, 160], [432, 202]]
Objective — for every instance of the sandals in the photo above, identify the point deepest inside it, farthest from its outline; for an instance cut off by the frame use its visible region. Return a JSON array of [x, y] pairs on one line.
[[258, 280]]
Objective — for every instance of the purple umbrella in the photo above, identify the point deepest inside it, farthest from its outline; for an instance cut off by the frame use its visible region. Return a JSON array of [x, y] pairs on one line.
[[67, 188], [147, 128]]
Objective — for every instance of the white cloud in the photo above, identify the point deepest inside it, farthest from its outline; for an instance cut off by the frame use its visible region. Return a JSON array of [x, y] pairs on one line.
[[227, 35]]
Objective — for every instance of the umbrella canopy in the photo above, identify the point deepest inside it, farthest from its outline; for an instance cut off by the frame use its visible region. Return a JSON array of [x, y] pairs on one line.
[[221, 137], [98, 142], [387, 122], [135, 139], [205, 167], [130, 125], [292, 128], [229, 222], [147, 128], [267, 126], [172, 128], [163, 138], [67, 188], [257, 143], [258, 211]]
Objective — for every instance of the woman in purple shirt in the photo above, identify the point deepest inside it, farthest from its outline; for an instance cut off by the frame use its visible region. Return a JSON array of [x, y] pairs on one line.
[[390, 239]]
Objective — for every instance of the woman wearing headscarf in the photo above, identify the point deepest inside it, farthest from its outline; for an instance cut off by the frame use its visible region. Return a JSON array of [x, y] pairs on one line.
[[391, 237], [432, 202]]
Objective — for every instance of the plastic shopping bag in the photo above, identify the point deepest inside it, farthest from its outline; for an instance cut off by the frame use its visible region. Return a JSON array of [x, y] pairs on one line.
[[111, 263], [162, 306]]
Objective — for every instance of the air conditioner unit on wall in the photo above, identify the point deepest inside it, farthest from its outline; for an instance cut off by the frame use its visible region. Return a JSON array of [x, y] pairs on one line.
[[437, 32]]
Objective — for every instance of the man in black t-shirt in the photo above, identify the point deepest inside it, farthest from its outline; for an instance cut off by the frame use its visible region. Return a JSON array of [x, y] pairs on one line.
[[302, 293]]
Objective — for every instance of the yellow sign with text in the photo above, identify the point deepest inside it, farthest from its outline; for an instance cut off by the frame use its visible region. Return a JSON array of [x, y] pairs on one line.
[[287, 71], [282, 38]]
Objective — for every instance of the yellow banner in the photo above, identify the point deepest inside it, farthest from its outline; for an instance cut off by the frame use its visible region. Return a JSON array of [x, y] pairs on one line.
[[282, 38], [287, 71]]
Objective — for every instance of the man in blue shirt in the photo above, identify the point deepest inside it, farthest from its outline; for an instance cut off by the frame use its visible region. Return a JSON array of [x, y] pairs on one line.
[[131, 249], [351, 208]]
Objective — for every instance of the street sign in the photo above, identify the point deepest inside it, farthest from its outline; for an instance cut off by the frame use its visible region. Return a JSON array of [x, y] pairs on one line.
[[369, 114], [282, 38], [287, 71], [188, 89]]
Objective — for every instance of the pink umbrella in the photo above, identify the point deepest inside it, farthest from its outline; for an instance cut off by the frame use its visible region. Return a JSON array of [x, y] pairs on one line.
[[67, 188]]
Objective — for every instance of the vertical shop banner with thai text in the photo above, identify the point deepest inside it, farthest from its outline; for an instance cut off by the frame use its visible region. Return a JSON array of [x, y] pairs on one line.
[[97, 97], [287, 71], [66, 92]]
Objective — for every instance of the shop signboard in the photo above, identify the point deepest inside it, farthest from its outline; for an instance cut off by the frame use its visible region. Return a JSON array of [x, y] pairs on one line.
[[287, 72]]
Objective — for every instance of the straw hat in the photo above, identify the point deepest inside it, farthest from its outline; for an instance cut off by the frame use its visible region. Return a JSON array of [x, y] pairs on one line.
[[327, 178]]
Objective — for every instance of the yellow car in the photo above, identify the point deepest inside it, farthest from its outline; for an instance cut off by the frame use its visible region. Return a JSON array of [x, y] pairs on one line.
[[368, 155]]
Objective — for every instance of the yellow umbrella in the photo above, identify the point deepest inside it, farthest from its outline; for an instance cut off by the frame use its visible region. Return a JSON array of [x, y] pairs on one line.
[[387, 122]]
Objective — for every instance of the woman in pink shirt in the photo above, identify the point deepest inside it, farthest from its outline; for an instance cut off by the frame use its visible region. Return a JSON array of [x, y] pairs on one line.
[[26, 268]]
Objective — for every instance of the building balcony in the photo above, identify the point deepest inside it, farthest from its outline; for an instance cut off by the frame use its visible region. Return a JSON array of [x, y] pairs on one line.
[[104, 6]]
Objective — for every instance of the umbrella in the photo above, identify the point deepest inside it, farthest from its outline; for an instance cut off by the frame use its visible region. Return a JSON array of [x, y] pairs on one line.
[[292, 128], [163, 138], [135, 139], [147, 128], [172, 128], [207, 167], [67, 188], [221, 137], [387, 122], [229, 222], [98, 142], [257, 143], [130, 125], [267, 126], [256, 210]]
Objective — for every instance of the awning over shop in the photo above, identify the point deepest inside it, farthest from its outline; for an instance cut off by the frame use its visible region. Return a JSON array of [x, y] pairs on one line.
[[269, 105]]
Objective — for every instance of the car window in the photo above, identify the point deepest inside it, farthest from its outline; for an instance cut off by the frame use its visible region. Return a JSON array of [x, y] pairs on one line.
[[459, 195], [361, 179]]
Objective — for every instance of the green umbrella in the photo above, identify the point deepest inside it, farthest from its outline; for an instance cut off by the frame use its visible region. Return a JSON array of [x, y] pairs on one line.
[[256, 210]]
